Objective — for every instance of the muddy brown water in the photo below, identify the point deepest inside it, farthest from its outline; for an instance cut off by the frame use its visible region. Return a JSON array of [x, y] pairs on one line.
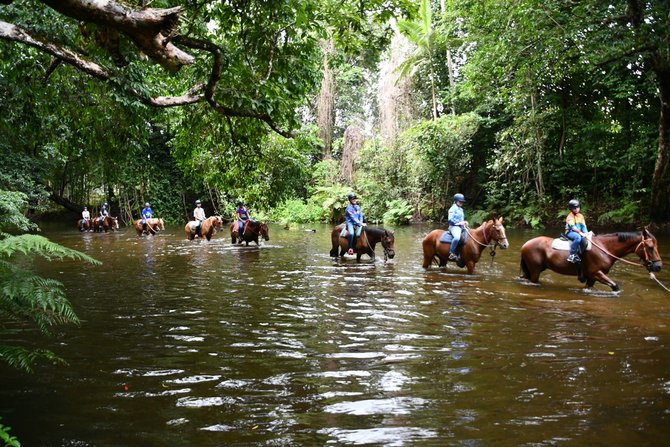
[[207, 344]]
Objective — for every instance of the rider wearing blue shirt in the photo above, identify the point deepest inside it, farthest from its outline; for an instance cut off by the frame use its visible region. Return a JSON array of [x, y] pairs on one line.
[[353, 216], [146, 215], [457, 222]]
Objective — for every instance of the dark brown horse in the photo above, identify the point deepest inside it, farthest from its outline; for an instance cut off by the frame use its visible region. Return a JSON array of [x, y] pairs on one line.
[[108, 223], [251, 231], [207, 228], [154, 225], [84, 225], [538, 255], [364, 244], [489, 234]]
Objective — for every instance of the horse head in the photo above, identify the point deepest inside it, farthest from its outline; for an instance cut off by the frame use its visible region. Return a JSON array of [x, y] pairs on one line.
[[115, 223], [263, 230], [498, 233], [160, 225], [388, 241], [217, 222], [647, 250]]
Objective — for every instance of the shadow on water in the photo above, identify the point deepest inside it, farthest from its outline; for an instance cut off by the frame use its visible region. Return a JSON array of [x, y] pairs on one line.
[[204, 343]]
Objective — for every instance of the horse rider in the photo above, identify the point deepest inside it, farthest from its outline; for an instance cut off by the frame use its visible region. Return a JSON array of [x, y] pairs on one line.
[[199, 215], [85, 217], [147, 214], [575, 229], [456, 219], [104, 212], [353, 217], [243, 217]]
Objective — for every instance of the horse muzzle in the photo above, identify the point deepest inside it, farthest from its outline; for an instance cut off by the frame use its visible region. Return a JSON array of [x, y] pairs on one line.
[[654, 266], [503, 244], [390, 253]]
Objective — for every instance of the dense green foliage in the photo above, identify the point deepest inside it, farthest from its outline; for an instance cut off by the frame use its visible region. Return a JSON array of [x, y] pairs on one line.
[[520, 106], [26, 298]]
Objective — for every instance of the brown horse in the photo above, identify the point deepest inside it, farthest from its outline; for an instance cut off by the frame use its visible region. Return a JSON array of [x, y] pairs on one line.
[[251, 231], [107, 224], [207, 228], [84, 225], [154, 225], [538, 255], [364, 244], [489, 234]]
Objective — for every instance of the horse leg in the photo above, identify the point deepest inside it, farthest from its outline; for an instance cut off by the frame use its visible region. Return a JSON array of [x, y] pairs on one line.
[[602, 277]]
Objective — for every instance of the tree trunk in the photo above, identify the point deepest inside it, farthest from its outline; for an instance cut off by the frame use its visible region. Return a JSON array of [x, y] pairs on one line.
[[326, 103], [353, 142], [660, 187]]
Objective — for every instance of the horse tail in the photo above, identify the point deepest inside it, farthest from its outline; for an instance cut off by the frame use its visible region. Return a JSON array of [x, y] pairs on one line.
[[524, 269]]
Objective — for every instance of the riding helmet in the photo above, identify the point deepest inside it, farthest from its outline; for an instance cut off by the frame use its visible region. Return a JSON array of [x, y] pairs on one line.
[[198, 202], [146, 205], [459, 197], [240, 203], [106, 205], [574, 203], [351, 196]]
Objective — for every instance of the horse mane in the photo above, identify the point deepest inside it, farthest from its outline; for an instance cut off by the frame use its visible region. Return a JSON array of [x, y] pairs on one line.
[[624, 236], [376, 231]]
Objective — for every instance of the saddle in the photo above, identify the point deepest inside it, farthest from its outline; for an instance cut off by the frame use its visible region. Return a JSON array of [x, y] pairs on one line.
[[195, 226], [563, 243], [447, 237]]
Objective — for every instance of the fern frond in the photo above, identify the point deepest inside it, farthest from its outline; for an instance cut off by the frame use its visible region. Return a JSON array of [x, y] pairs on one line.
[[39, 245], [24, 359]]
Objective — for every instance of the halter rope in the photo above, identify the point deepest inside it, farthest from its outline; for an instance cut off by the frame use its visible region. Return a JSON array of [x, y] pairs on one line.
[[646, 255]]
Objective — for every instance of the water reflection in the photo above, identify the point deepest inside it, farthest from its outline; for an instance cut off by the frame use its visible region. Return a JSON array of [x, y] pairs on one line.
[[204, 343]]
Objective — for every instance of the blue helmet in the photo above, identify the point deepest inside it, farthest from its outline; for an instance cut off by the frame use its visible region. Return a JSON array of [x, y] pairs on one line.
[[459, 197], [351, 196]]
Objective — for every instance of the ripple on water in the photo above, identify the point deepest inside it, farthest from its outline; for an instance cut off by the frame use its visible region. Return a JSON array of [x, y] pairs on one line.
[[195, 379], [395, 406], [389, 436], [201, 402]]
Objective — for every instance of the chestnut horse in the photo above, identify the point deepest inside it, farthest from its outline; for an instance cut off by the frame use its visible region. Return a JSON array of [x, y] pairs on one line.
[[364, 244], [154, 225], [489, 234], [108, 223], [252, 230], [207, 228], [84, 225], [537, 255]]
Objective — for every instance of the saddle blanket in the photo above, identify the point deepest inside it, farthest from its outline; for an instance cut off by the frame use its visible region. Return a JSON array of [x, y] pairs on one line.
[[193, 224], [446, 237], [564, 244]]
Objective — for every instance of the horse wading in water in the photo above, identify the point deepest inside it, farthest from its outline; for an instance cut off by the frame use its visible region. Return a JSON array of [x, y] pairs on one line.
[[84, 225], [207, 228], [538, 255], [108, 224], [154, 225], [365, 244], [252, 230], [489, 234]]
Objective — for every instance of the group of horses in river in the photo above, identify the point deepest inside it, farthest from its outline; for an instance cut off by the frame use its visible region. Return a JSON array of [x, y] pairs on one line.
[[98, 225], [252, 231], [537, 255]]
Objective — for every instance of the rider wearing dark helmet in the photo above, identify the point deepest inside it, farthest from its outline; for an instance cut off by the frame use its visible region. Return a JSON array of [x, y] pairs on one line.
[[104, 211], [242, 217], [575, 229], [353, 217], [457, 222]]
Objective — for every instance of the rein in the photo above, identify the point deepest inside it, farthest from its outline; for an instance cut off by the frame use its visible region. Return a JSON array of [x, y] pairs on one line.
[[386, 252]]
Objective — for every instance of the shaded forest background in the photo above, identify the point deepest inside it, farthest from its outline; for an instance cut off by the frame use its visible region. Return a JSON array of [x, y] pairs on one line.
[[289, 105]]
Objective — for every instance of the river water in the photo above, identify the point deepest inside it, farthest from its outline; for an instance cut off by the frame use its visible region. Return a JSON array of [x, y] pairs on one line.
[[207, 344]]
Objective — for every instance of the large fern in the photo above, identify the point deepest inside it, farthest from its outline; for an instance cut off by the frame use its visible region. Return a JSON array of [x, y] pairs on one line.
[[26, 297]]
